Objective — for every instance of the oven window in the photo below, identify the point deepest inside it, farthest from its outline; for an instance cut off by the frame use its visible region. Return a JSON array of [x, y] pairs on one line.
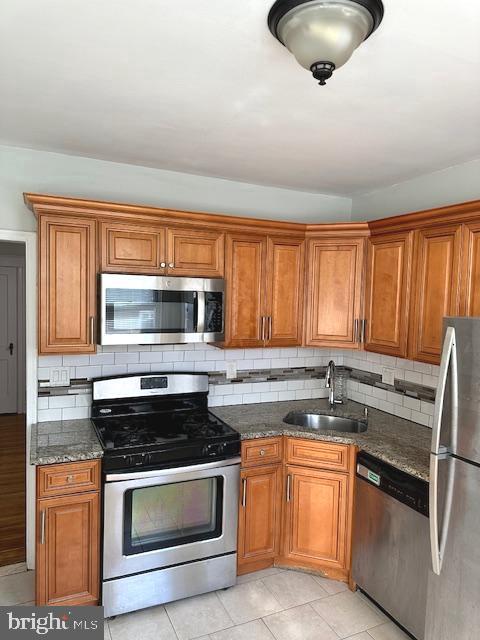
[[150, 311], [169, 515]]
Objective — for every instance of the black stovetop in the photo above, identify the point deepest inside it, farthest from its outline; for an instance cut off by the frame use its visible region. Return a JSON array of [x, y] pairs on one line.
[[159, 428], [161, 433]]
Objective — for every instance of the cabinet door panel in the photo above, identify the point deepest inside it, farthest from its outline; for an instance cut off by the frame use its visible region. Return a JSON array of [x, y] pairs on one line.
[[437, 289], [285, 268], [335, 273], [67, 285], [387, 294], [259, 521], [67, 563], [195, 252], [131, 248], [245, 290], [316, 517], [471, 287]]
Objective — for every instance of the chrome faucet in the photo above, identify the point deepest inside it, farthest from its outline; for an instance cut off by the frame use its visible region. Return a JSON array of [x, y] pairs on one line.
[[330, 384]]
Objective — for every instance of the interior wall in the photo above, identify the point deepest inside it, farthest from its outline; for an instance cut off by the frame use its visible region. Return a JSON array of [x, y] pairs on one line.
[[53, 173], [459, 183]]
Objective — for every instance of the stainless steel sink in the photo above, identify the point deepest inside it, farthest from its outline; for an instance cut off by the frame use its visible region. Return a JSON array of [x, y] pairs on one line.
[[325, 423]]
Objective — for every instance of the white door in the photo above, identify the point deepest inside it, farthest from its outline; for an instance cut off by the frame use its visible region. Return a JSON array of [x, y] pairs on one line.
[[8, 339]]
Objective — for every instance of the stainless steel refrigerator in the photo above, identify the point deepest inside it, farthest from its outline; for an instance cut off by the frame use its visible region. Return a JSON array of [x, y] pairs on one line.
[[453, 603]]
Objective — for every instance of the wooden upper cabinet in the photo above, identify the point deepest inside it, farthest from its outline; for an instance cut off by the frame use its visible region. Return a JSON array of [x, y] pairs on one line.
[[137, 248], [259, 517], [68, 549], [245, 276], [131, 248], [470, 303], [264, 277], [387, 294], [316, 518], [436, 288], [67, 284], [195, 252], [334, 292], [284, 304]]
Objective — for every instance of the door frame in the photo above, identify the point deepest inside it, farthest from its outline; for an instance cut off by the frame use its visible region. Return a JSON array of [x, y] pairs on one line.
[[29, 239]]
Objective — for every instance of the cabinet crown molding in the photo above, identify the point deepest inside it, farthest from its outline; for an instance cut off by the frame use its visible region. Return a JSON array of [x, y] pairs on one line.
[[99, 209], [61, 205]]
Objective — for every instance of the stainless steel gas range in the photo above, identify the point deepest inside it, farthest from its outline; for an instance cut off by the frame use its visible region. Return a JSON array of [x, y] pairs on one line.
[[171, 474]]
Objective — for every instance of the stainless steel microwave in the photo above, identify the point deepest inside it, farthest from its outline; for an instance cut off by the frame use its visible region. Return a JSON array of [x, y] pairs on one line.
[[160, 309]]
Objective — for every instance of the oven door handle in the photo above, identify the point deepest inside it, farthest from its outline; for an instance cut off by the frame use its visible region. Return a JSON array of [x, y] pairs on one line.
[[157, 473]]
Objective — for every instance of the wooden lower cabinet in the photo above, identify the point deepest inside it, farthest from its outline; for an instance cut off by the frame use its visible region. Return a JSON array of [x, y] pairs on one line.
[[297, 515], [68, 548], [316, 518], [259, 517]]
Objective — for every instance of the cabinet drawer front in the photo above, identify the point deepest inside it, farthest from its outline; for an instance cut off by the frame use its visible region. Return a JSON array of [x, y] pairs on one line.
[[323, 455], [71, 477], [261, 451]]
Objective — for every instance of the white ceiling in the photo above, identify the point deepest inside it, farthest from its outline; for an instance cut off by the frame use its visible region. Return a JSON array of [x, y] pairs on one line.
[[202, 87]]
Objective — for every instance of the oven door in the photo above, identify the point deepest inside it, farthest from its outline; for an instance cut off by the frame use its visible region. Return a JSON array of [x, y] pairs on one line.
[[160, 309], [155, 519]]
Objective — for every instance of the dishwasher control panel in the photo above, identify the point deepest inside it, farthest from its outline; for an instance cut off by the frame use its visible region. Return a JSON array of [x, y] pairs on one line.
[[400, 485]]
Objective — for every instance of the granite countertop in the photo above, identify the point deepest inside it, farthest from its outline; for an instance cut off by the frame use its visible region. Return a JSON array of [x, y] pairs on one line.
[[64, 441], [403, 444]]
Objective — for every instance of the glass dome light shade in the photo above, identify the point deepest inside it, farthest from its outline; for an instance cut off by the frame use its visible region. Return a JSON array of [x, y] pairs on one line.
[[321, 31]]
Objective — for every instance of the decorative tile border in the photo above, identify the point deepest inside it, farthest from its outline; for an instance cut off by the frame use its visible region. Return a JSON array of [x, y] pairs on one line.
[[402, 387]]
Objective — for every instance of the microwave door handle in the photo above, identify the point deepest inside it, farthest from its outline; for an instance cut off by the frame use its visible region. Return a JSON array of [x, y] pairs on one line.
[[201, 312]]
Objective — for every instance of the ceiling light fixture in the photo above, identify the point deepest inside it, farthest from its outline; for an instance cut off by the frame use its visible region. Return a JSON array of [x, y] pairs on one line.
[[323, 34]]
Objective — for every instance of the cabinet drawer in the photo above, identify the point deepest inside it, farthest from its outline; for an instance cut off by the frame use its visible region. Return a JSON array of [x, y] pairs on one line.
[[71, 477], [323, 455], [261, 451]]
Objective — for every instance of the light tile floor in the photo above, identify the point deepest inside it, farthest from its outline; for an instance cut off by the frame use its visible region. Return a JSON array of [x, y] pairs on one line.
[[267, 605]]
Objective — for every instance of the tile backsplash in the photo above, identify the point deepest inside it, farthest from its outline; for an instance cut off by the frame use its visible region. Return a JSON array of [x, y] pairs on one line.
[[263, 375]]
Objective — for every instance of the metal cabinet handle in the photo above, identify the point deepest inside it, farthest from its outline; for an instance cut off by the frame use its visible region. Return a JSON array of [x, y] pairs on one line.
[[163, 264], [92, 330], [171, 265], [262, 452], [288, 487], [244, 492], [10, 348], [363, 330], [262, 328], [69, 479], [355, 330], [269, 327], [42, 527]]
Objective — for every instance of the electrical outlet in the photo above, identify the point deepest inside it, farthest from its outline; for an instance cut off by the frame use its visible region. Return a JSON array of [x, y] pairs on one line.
[[231, 371], [60, 377], [388, 376]]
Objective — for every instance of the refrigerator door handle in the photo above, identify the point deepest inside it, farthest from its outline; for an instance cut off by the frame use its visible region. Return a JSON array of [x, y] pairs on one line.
[[438, 542], [449, 362]]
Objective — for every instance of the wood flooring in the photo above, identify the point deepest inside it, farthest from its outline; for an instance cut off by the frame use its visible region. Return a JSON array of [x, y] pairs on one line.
[[12, 489]]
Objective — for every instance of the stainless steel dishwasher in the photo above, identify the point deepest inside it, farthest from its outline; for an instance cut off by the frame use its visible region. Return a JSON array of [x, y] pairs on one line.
[[391, 548]]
